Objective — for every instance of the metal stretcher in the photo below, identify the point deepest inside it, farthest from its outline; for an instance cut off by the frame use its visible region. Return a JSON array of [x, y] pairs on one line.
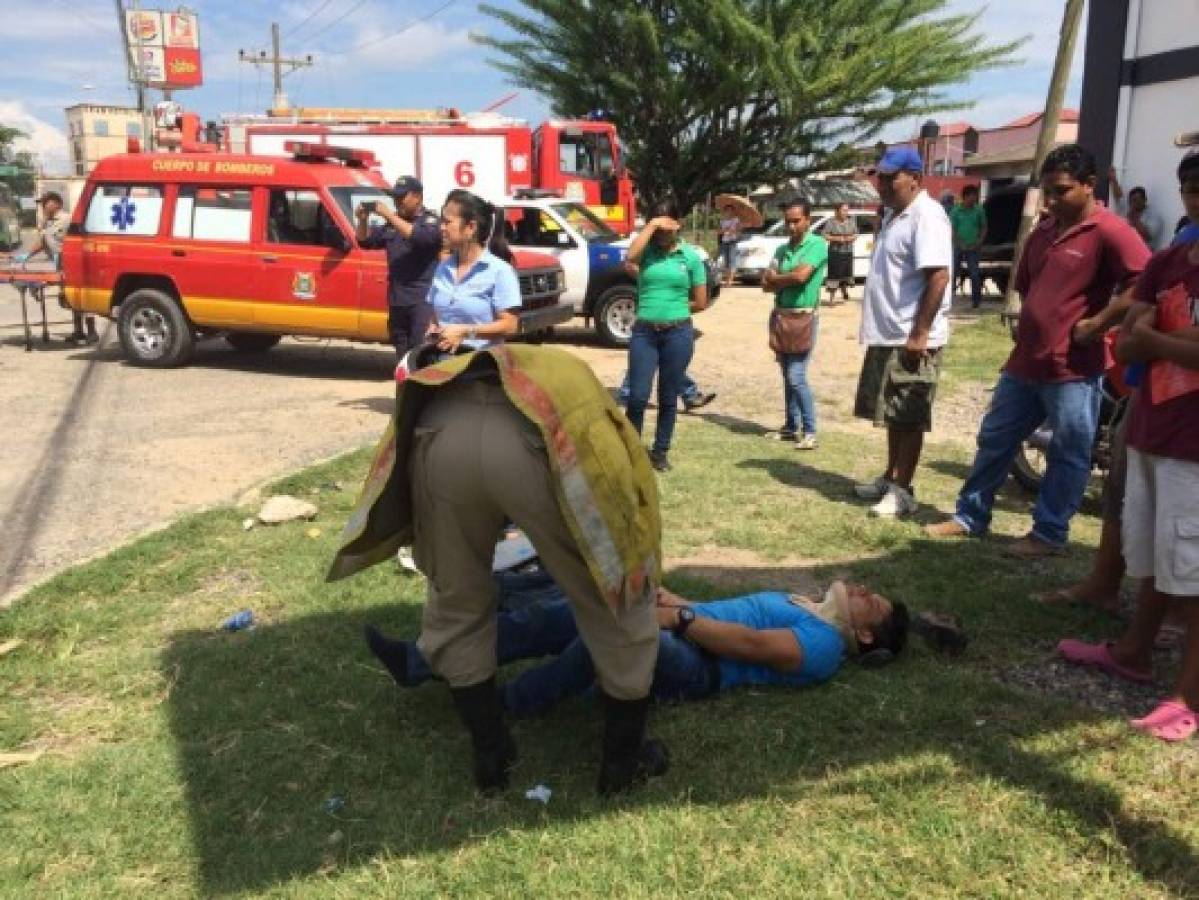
[[30, 283]]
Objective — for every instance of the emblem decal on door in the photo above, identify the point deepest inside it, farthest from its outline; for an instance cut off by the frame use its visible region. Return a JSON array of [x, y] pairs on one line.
[[303, 286]]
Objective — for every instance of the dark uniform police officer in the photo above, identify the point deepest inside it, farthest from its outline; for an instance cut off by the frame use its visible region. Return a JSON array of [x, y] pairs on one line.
[[412, 239]]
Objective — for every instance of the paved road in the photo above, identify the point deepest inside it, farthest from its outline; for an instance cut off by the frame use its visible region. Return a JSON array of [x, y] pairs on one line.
[[96, 451]]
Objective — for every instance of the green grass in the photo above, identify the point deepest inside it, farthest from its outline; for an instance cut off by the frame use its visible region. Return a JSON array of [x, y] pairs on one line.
[[976, 352], [183, 761]]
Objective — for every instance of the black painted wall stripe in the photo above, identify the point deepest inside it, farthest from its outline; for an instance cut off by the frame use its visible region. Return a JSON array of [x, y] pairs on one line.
[[1172, 65]]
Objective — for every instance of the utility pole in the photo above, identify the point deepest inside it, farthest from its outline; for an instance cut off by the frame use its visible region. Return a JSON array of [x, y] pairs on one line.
[[133, 56], [1045, 141], [277, 62]]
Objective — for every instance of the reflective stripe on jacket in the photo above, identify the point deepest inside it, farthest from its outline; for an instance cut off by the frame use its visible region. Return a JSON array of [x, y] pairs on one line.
[[603, 480]]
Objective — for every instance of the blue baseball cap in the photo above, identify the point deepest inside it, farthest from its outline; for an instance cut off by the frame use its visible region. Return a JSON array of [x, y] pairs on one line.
[[407, 184], [899, 159]]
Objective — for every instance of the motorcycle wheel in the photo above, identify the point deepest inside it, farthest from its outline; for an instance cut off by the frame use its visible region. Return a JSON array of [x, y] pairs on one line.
[[1029, 467]]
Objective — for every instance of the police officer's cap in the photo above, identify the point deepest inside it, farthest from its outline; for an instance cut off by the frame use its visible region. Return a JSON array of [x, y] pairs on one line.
[[407, 184]]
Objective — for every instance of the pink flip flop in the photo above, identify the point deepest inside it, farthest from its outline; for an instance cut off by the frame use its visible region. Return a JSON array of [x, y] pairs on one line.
[[1100, 656], [1170, 721]]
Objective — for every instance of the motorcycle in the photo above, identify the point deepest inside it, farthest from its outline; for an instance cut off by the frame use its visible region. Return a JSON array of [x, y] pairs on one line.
[[1032, 458]]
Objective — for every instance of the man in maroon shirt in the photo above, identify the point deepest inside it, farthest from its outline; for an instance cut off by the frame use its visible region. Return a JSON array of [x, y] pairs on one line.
[[1161, 506], [1073, 262]]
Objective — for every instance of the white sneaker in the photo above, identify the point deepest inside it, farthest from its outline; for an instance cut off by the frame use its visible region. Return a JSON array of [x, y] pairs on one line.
[[895, 503], [807, 442], [405, 560], [872, 490]]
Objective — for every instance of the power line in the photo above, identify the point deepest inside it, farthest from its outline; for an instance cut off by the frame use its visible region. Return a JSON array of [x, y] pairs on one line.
[[329, 25], [312, 15], [396, 33]]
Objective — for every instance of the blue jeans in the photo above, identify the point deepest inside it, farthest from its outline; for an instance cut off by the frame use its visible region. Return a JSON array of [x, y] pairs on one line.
[[690, 392], [682, 672], [547, 628], [530, 631], [666, 353], [798, 404], [1018, 407], [970, 258]]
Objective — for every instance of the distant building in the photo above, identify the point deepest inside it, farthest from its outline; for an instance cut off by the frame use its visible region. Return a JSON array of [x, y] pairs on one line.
[[1139, 84], [943, 155], [1006, 153], [96, 131]]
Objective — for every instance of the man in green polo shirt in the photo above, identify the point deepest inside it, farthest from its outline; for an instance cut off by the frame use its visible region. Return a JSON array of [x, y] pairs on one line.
[[795, 277], [969, 221]]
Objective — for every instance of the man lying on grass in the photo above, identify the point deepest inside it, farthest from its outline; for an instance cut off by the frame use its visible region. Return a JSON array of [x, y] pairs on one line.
[[769, 638]]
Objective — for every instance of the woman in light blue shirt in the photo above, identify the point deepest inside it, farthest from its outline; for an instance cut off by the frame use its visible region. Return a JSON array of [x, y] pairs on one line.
[[475, 293]]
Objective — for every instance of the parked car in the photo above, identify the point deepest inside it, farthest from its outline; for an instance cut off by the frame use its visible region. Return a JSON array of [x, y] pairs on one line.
[[176, 246], [592, 258], [754, 253]]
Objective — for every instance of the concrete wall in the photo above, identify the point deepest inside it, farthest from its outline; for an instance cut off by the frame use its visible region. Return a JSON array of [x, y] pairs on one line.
[[1165, 25], [1155, 113], [1150, 115]]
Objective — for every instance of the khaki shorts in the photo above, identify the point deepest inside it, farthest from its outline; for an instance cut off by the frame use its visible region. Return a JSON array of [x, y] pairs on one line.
[[891, 396], [1161, 522]]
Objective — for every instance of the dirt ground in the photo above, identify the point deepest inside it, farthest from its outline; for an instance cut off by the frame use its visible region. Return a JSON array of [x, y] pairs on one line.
[[96, 451]]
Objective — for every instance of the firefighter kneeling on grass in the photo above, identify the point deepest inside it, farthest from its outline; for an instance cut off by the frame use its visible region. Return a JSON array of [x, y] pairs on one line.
[[527, 435]]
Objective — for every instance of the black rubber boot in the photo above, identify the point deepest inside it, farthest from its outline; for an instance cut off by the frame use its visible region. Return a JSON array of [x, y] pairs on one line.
[[481, 711], [629, 757], [392, 653]]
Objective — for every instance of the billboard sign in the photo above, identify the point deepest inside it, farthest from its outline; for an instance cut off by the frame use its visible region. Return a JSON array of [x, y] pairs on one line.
[[181, 30], [167, 45]]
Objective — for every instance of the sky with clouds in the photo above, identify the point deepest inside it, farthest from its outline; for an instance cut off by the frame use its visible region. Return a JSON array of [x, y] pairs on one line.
[[394, 53]]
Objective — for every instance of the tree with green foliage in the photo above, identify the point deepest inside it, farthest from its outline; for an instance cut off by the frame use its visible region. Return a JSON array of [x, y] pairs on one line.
[[714, 95], [22, 183]]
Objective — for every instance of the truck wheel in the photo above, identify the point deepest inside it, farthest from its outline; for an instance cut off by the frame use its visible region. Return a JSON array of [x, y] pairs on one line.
[[615, 312], [251, 341], [154, 331]]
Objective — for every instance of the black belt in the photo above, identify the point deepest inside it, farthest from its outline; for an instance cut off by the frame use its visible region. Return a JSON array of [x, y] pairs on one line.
[[664, 326]]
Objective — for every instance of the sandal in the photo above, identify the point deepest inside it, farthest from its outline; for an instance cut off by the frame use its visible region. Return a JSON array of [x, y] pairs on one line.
[[1171, 721], [1100, 656], [1069, 596]]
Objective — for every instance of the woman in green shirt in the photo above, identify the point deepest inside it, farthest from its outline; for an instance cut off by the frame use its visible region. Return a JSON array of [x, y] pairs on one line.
[[671, 284], [795, 277]]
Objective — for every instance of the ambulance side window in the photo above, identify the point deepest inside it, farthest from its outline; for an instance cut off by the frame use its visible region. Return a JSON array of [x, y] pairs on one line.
[[124, 209], [213, 214], [296, 217]]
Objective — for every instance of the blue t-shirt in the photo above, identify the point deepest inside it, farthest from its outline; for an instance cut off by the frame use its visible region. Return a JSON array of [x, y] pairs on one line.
[[1187, 235], [822, 645], [489, 288]]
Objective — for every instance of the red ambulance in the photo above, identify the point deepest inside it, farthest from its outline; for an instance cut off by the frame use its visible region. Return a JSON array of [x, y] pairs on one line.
[[178, 246]]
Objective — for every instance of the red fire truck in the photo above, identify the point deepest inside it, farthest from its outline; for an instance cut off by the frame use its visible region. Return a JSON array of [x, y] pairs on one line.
[[489, 154]]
